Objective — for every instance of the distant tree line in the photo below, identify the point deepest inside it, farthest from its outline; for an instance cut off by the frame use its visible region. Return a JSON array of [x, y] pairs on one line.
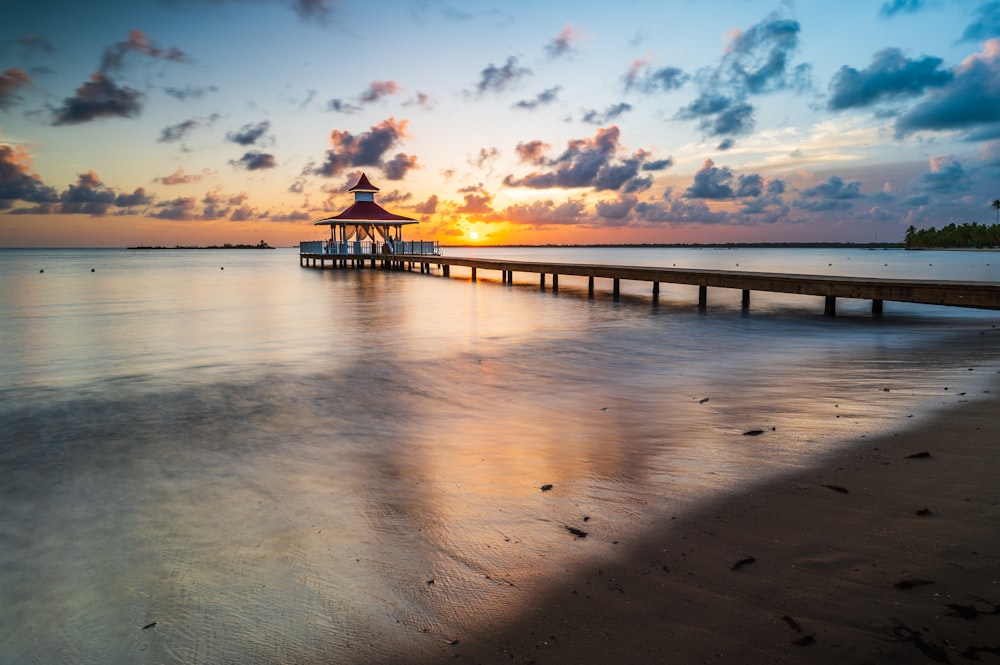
[[972, 235]]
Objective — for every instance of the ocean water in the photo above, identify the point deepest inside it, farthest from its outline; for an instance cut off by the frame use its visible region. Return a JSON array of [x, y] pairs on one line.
[[222, 457]]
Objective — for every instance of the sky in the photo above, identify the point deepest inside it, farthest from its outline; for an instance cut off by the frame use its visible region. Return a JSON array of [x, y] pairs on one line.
[[185, 122]]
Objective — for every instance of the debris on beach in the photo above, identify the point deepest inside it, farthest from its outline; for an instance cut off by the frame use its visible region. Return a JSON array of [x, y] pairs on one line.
[[804, 641], [923, 512], [753, 432], [746, 561], [576, 532], [546, 487], [837, 488], [703, 400], [792, 623], [149, 625], [921, 455]]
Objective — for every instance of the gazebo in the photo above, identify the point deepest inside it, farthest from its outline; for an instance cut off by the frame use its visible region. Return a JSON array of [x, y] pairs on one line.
[[366, 227]]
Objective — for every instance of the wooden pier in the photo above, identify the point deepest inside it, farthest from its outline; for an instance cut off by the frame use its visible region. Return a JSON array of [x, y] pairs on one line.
[[982, 295]]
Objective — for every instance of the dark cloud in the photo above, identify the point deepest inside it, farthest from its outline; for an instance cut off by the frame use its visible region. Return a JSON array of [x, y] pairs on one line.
[[249, 133], [314, 9], [428, 207], [17, 183], [177, 132], [541, 99], [377, 90], [617, 210], [643, 78], [179, 209], [420, 99], [758, 59], [834, 194], [254, 160], [476, 201], [532, 152], [609, 114], [658, 165], [485, 156], [546, 213], [718, 115], [891, 75], [114, 55], [137, 198], [584, 163], [563, 42], [89, 196], [340, 106], [498, 79], [12, 80], [711, 182], [971, 101], [727, 144], [397, 167], [944, 175], [367, 149], [99, 97], [987, 23], [190, 91], [35, 43], [893, 7]]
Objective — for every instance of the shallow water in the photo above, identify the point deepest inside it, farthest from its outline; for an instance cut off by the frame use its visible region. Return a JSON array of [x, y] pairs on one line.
[[277, 464]]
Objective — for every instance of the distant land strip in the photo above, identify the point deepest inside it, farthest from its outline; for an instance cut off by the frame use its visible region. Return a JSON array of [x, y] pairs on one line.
[[260, 245]]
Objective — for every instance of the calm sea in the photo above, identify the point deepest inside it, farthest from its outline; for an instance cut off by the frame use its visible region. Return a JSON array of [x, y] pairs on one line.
[[221, 457]]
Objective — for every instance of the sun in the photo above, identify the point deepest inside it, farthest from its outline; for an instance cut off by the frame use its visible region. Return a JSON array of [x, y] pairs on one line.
[[473, 235]]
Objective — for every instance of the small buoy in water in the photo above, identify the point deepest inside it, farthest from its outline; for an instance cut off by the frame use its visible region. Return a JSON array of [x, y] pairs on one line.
[[91, 270], [42, 270], [222, 268]]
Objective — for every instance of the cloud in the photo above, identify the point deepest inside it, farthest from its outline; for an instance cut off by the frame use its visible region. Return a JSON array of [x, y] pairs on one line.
[[397, 167], [11, 80], [314, 9], [137, 198], [711, 182], [340, 106], [254, 160], [616, 209], [88, 196], [658, 165], [970, 101], [477, 201], [643, 78], [986, 25], [758, 59], [99, 97], [541, 99], [546, 213], [377, 90], [944, 175], [609, 114], [114, 55], [428, 207], [17, 183], [367, 149], [178, 177], [177, 132], [718, 115], [249, 133], [499, 79], [894, 7], [834, 194], [891, 75], [35, 44], [190, 91], [532, 152], [588, 162], [179, 209], [485, 156], [563, 42]]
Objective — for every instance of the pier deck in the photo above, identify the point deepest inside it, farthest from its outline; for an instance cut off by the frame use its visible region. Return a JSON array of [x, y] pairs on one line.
[[983, 295]]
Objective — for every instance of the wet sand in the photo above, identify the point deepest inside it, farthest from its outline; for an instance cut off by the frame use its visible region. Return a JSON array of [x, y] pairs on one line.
[[889, 554]]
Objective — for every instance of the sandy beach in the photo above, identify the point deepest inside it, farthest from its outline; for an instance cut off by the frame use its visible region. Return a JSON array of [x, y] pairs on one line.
[[889, 554]]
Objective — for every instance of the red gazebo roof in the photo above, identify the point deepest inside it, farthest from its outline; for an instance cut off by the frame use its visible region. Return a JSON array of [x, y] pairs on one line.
[[363, 185], [367, 211]]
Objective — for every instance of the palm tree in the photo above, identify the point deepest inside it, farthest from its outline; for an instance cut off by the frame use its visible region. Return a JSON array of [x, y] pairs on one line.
[[996, 206]]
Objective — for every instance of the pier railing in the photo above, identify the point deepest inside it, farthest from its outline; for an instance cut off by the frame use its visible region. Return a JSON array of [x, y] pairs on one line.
[[367, 248]]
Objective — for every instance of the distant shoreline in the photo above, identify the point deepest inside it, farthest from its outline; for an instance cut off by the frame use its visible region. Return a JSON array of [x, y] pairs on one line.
[[226, 246]]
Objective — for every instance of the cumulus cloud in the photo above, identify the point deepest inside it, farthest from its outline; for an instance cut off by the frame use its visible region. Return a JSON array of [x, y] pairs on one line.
[[254, 160], [17, 183], [177, 132], [944, 174], [834, 194], [532, 152], [12, 80], [563, 42], [546, 213], [249, 133], [986, 25], [891, 75], [719, 115], [642, 77], [367, 149], [970, 101], [588, 162], [341, 106], [88, 196], [189, 91], [377, 90], [137, 42], [543, 98], [178, 177], [476, 201], [611, 113], [428, 207], [179, 209], [137, 198], [397, 167], [499, 79], [100, 97]]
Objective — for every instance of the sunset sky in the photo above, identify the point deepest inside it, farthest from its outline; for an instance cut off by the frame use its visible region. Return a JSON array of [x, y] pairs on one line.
[[130, 122]]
